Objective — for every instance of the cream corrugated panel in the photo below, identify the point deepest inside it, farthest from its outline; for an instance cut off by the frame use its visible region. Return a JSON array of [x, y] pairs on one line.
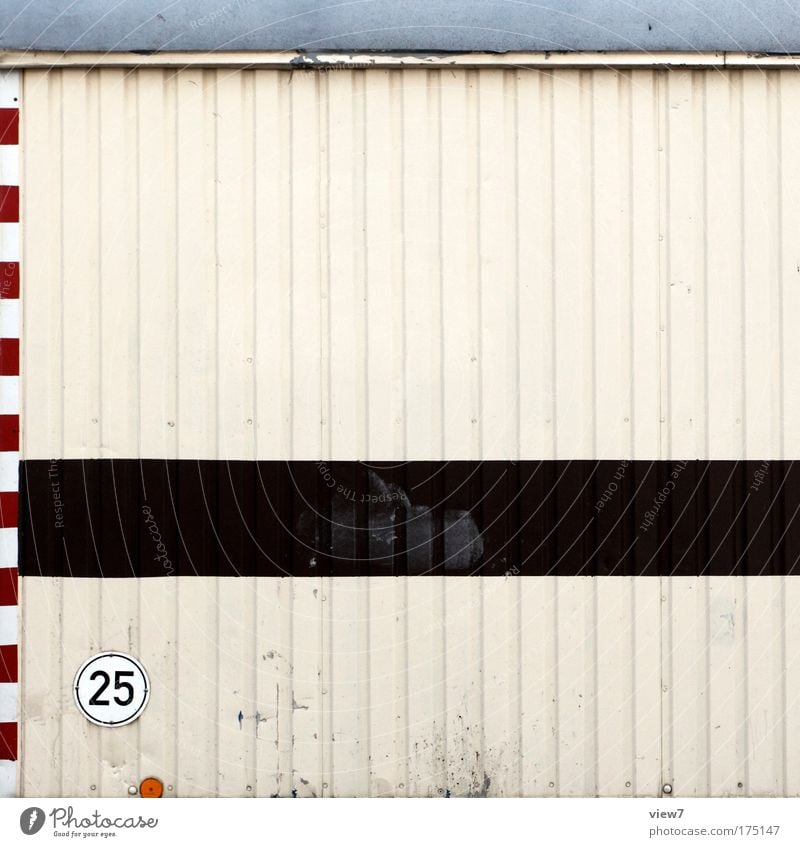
[[728, 300], [415, 264]]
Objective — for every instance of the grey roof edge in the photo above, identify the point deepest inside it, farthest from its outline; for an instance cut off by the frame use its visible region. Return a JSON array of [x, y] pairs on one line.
[[409, 26]]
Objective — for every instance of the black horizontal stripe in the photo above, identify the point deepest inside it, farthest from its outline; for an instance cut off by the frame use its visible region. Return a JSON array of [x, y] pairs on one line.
[[152, 518]]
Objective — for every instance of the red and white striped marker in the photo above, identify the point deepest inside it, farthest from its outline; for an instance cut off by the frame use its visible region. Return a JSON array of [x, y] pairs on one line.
[[9, 424]]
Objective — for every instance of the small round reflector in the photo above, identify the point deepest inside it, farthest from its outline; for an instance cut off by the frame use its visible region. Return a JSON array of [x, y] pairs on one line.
[[151, 787]]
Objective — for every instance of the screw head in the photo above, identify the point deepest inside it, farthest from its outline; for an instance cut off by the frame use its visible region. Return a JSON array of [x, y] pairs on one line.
[[667, 788]]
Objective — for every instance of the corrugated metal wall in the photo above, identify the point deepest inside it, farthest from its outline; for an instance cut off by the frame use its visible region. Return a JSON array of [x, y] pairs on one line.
[[395, 265]]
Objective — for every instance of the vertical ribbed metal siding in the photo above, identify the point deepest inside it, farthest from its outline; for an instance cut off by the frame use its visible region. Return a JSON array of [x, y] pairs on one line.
[[398, 265]]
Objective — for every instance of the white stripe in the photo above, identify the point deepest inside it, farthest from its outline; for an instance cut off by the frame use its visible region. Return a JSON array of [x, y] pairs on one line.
[[9, 89], [8, 547], [9, 164], [9, 318], [8, 625], [9, 395], [8, 702], [9, 242], [9, 471], [8, 779]]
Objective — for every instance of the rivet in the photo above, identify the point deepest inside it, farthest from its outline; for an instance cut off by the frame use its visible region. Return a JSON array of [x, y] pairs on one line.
[[92, 788], [169, 788], [551, 784], [249, 787], [131, 789], [628, 784], [667, 789]]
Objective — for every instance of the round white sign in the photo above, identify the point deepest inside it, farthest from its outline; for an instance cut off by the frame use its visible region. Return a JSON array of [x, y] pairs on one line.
[[111, 689]]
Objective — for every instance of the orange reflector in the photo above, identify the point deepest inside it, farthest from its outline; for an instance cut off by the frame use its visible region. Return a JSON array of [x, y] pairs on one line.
[[151, 787]]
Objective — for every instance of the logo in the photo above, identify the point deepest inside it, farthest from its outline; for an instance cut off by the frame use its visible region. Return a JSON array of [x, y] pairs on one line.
[[31, 820]]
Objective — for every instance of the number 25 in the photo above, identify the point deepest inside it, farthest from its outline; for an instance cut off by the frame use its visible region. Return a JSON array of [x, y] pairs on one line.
[[118, 684]]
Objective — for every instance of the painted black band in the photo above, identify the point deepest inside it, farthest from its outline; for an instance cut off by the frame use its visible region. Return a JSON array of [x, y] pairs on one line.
[[155, 518]]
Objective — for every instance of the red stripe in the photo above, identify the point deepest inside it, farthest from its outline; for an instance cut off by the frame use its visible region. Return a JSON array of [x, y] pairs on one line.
[[9, 126], [8, 741], [9, 204], [9, 433], [9, 428], [9, 593], [9, 280], [9, 357], [8, 663], [8, 510]]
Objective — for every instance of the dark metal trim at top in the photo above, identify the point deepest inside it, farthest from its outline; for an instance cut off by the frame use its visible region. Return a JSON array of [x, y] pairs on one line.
[[408, 26]]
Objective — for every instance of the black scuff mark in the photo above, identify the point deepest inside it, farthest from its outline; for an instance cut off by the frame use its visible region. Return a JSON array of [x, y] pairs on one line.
[[322, 60], [394, 528]]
